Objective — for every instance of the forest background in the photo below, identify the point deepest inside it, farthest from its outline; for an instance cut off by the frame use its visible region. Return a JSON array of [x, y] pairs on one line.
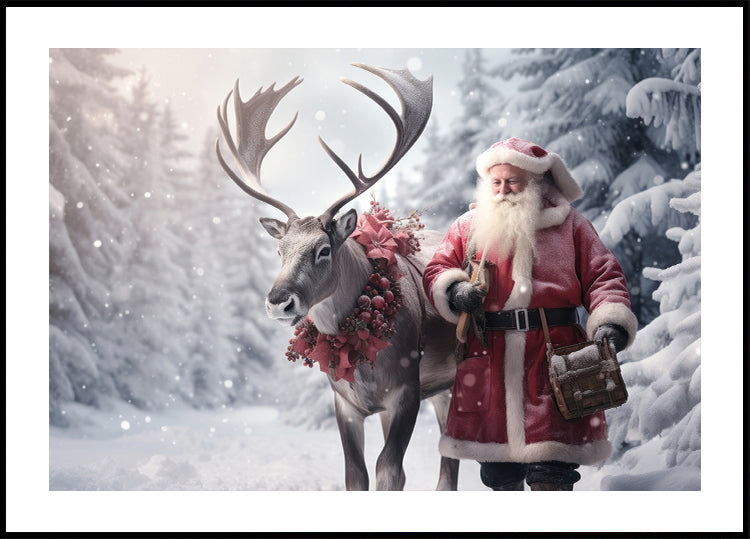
[[139, 313]]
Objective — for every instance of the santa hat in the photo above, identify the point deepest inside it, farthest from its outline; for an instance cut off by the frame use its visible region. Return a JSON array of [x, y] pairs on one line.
[[531, 157]]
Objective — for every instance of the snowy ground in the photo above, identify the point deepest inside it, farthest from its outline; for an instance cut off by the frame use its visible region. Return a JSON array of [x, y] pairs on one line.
[[251, 450], [286, 478], [245, 449]]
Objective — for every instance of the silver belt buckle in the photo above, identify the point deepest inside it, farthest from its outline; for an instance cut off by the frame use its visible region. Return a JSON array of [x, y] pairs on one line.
[[525, 318]]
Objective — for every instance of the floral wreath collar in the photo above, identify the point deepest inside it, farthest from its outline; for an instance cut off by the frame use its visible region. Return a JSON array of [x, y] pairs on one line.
[[372, 322]]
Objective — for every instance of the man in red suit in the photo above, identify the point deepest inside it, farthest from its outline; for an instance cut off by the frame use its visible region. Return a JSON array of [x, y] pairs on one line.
[[539, 252]]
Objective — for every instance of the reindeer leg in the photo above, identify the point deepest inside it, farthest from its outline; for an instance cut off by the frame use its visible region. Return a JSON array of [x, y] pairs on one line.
[[351, 426], [448, 479], [389, 471]]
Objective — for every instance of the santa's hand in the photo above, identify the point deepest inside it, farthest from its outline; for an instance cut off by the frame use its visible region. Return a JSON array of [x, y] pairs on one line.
[[614, 334], [464, 296]]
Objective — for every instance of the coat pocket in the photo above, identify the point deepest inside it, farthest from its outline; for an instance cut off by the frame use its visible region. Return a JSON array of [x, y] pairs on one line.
[[472, 386]]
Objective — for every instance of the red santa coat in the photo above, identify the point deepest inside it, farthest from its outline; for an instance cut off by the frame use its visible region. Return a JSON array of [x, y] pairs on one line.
[[502, 409]]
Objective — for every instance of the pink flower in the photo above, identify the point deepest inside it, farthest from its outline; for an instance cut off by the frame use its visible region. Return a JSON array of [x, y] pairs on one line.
[[402, 240], [377, 239], [322, 353], [372, 346]]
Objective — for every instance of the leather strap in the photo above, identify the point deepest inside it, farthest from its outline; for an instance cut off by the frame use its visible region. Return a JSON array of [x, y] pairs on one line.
[[543, 319]]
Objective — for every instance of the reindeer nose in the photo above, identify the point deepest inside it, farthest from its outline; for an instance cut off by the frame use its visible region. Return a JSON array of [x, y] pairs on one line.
[[280, 303], [280, 297]]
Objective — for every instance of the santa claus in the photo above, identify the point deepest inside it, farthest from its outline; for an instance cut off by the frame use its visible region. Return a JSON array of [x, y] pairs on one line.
[[538, 252]]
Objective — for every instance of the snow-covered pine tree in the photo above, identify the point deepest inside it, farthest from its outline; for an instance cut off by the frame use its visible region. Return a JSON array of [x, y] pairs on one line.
[[208, 363], [136, 312], [448, 173], [663, 367], [237, 260], [89, 224], [146, 347]]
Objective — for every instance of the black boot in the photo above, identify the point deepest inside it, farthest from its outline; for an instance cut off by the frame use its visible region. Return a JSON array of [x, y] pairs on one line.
[[510, 486], [551, 486]]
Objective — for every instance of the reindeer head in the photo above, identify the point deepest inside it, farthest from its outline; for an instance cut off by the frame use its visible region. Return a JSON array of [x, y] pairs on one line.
[[309, 247]]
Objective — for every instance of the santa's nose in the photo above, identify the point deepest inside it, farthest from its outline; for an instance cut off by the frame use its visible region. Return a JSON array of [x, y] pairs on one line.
[[504, 188]]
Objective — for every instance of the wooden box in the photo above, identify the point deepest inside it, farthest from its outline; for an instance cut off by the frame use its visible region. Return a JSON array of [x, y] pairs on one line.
[[586, 378]]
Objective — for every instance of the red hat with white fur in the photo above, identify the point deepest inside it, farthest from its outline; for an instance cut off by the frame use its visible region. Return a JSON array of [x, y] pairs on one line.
[[531, 157]]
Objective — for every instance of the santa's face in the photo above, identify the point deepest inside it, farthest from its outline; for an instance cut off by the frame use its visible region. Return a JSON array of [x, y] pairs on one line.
[[506, 180], [509, 202]]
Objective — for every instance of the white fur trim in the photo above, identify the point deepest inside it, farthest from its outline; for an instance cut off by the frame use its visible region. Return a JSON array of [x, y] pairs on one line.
[[585, 454], [537, 165], [440, 292], [503, 154], [553, 216], [515, 352], [556, 214], [612, 313]]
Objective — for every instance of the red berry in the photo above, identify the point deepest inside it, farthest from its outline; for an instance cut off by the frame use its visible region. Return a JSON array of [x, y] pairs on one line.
[[363, 333], [384, 283], [388, 296], [365, 316], [363, 301], [378, 302]]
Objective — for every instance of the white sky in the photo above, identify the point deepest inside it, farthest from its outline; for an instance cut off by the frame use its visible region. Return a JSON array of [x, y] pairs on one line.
[[30, 31], [297, 170]]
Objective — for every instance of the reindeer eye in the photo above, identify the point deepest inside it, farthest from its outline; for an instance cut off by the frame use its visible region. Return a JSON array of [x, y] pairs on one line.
[[324, 252]]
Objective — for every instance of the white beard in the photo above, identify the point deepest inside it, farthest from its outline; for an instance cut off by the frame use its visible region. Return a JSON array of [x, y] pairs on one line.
[[506, 224]]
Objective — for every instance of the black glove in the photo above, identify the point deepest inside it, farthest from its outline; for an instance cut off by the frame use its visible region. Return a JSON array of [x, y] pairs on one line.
[[464, 296], [614, 334]]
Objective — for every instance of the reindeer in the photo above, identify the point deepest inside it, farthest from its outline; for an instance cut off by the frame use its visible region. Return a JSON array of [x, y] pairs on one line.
[[323, 272]]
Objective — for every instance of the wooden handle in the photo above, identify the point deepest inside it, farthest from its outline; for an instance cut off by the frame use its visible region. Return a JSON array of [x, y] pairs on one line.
[[462, 329]]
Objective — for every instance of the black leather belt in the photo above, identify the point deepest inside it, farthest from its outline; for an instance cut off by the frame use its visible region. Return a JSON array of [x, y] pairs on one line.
[[525, 319]]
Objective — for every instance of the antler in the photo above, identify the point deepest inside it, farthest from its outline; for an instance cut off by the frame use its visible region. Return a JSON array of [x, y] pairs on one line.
[[252, 145], [416, 104]]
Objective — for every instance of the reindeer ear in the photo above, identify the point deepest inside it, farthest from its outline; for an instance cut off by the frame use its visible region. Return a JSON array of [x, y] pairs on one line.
[[276, 228], [345, 225]]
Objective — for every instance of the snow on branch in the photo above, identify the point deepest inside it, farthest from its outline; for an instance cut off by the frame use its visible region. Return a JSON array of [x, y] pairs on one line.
[[675, 105], [690, 204], [642, 211], [687, 67], [56, 203]]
